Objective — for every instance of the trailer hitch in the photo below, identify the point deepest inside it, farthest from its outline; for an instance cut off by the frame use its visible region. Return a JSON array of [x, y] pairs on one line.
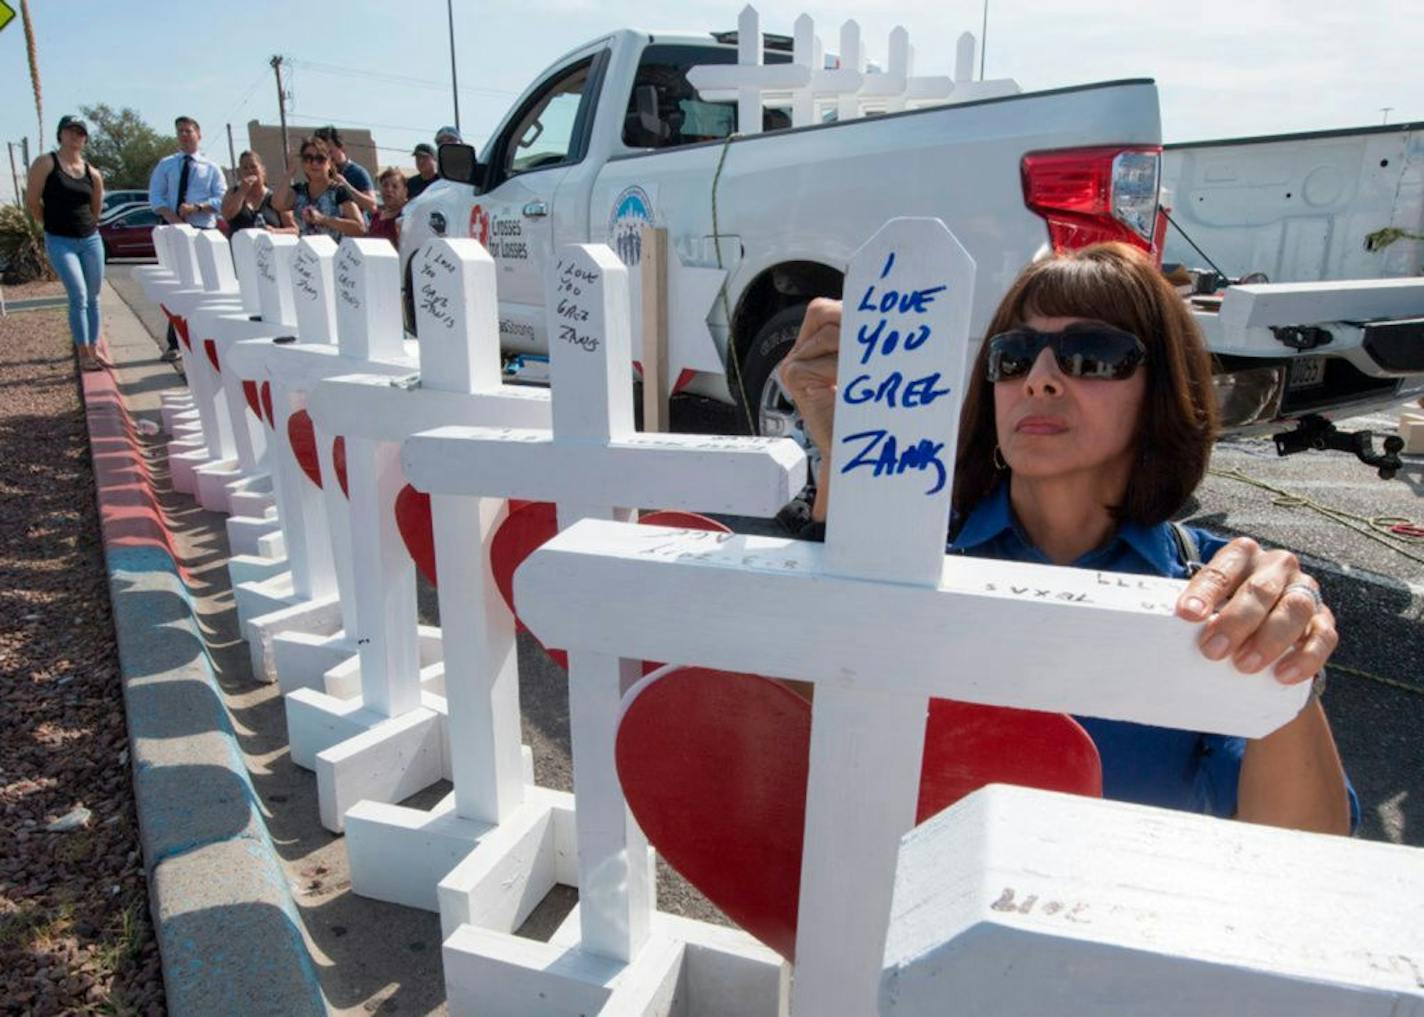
[[1315, 432]]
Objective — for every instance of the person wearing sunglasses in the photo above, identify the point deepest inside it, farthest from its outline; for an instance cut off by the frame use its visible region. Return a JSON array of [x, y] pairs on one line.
[[1087, 420], [321, 202]]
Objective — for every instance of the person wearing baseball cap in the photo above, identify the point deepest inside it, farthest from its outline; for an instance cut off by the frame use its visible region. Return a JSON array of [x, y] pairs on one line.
[[65, 193], [428, 171], [448, 136]]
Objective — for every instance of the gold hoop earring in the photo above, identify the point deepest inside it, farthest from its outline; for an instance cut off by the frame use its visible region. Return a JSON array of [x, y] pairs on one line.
[[1000, 463]]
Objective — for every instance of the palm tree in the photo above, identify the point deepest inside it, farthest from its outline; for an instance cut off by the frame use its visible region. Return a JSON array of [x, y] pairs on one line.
[[33, 54]]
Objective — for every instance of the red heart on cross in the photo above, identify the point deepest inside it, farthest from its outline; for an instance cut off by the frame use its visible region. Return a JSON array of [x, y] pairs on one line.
[[338, 462], [254, 398], [532, 524], [302, 437], [416, 529], [714, 766], [211, 348]]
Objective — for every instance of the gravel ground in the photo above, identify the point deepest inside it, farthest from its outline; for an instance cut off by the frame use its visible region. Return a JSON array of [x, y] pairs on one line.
[[75, 935], [30, 290]]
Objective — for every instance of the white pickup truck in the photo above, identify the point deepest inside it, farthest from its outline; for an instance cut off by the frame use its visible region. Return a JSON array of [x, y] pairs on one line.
[[613, 135]]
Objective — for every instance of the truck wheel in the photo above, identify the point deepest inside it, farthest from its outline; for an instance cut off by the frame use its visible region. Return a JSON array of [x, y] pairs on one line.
[[771, 409]]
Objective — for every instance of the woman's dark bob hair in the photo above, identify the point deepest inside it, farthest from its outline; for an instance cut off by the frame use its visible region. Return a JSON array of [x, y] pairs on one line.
[[1116, 284]]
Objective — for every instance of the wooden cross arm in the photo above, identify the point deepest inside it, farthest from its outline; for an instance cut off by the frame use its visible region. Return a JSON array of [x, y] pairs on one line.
[[684, 471], [373, 406], [225, 324], [730, 77], [302, 365], [836, 81], [1060, 903], [1081, 642]]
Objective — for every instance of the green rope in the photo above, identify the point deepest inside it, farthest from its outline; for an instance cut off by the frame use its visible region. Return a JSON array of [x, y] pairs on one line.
[[1356, 672], [732, 359], [1376, 528]]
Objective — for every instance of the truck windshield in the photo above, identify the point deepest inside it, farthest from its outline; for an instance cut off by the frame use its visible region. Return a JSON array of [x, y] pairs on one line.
[[664, 110]]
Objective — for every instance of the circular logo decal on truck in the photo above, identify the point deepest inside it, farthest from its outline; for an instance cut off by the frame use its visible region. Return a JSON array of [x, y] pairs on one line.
[[632, 210]]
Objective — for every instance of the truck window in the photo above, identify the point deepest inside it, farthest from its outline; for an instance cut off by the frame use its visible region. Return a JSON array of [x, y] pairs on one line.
[[665, 111], [544, 134]]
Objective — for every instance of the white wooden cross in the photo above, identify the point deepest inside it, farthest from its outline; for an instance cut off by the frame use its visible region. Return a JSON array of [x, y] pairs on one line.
[[1061, 905], [310, 626], [254, 527], [199, 437], [226, 426], [592, 465], [966, 89], [879, 618], [749, 78], [384, 744], [396, 853], [263, 262]]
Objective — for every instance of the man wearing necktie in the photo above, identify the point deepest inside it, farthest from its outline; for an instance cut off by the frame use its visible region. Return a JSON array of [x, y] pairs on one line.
[[186, 187]]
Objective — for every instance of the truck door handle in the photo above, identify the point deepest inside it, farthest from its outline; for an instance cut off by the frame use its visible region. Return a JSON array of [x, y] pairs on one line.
[[536, 209]]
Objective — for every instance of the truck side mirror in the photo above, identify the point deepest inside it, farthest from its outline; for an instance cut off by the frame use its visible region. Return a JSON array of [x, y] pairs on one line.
[[458, 162]]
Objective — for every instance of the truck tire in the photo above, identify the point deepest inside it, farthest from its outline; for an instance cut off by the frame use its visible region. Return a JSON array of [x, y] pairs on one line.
[[768, 408], [772, 410]]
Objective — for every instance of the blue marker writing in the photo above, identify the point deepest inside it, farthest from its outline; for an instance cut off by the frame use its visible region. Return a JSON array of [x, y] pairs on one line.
[[879, 451], [893, 390]]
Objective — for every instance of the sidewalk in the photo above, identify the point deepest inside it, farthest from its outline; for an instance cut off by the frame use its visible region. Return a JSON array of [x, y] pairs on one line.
[[250, 893]]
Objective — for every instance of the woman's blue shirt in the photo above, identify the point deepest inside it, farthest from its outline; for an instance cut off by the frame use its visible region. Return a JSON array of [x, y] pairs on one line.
[[1148, 765]]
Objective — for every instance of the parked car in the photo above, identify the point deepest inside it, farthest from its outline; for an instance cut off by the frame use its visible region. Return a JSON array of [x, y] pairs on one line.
[[124, 196], [129, 234], [112, 213]]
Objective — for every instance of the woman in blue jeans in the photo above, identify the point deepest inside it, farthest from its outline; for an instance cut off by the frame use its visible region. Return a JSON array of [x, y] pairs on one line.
[[66, 193]]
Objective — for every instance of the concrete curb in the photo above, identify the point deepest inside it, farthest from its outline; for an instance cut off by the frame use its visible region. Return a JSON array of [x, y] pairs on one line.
[[230, 936]]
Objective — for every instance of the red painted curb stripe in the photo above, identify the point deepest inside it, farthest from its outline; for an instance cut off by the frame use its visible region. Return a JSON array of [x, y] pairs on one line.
[[130, 515]]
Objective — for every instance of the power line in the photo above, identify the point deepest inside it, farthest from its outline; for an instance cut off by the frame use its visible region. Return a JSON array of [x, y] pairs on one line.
[[399, 79], [256, 83]]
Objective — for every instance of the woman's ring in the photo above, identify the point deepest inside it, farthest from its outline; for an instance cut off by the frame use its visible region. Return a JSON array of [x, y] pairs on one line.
[[1306, 588]]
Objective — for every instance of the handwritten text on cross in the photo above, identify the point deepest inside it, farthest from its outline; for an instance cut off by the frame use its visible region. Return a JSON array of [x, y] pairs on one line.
[[888, 323]]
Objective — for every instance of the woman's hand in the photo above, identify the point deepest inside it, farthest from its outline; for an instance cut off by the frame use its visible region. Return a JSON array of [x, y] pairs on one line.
[[808, 372], [1258, 605]]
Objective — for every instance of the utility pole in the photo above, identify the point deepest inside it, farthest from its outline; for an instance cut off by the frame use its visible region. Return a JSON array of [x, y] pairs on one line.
[[983, 40], [454, 84], [25, 151], [1385, 110], [282, 111], [231, 153], [15, 177]]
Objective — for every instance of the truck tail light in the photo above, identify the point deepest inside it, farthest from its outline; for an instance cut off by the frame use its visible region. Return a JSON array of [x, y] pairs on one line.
[[1091, 195]]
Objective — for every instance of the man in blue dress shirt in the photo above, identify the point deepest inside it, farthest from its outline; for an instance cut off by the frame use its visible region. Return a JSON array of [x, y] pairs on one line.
[[186, 187]]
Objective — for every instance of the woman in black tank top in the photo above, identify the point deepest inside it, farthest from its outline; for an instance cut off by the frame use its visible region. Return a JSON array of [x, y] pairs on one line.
[[66, 193]]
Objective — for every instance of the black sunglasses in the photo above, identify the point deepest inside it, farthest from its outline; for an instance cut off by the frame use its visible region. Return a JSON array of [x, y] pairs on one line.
[[1083, 350]]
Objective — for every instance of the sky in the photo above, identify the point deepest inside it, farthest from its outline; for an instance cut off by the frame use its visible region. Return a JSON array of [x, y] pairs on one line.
[[1224, 68]]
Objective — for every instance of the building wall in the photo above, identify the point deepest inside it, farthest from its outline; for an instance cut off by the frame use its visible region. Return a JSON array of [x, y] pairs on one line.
[[266, 141]]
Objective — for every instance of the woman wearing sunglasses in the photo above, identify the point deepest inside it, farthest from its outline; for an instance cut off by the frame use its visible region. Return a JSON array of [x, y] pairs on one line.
[[1088, 419], [321, 202]]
